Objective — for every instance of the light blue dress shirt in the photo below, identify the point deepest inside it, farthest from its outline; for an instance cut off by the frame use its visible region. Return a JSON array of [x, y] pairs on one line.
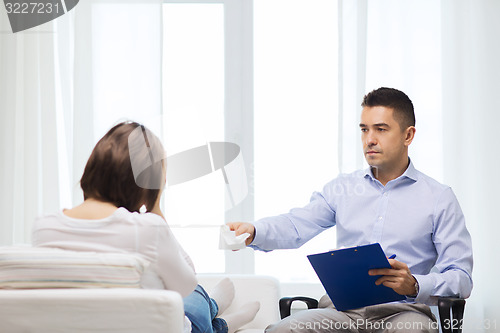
[[412, 216]]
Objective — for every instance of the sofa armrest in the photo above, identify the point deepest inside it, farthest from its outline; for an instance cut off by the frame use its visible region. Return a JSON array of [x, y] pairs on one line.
[[91, 310]]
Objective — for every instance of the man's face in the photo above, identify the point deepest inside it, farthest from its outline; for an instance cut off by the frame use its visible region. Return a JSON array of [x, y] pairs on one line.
[[384, 144]]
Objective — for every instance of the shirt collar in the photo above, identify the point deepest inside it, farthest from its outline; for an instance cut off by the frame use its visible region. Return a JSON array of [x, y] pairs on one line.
[[410, 172]]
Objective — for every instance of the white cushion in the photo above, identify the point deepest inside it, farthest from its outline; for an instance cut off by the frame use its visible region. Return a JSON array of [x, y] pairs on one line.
[[38, 267]]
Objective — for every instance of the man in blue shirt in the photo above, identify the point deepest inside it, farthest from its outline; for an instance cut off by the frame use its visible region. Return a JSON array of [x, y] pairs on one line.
[[391, 203]]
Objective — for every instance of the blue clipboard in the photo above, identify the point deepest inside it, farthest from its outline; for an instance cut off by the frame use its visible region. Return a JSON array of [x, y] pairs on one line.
[[344, 274]]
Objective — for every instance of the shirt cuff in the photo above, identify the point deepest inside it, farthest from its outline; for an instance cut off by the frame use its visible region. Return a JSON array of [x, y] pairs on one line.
[[259, 236], [425, 286]]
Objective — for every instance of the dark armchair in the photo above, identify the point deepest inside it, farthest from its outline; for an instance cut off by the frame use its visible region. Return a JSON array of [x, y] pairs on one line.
[[451, 311]]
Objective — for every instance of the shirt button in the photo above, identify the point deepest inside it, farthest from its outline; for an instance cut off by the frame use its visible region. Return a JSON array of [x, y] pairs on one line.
[[380, 218], [385, 194]]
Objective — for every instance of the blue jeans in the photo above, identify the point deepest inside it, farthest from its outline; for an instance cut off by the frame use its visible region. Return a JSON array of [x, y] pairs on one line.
[[201, 311]]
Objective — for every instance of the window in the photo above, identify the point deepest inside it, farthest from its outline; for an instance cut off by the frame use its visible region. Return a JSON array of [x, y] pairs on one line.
[[295, 119], [193, 84], [212, 52], [208, 87]]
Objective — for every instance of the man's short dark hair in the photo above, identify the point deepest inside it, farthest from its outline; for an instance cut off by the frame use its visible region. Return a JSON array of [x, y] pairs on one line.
[[394, 99]]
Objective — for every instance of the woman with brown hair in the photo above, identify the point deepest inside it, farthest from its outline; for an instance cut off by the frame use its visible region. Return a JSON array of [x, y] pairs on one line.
[[126, 171]]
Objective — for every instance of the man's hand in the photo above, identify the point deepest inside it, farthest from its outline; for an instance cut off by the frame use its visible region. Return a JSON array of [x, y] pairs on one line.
[[242, 227], [398, 278]]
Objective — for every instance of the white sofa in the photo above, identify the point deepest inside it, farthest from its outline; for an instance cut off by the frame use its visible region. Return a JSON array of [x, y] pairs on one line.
[[45, 290], [120, 310]]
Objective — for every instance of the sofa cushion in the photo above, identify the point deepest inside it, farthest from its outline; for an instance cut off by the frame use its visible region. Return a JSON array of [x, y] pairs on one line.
[[37, 267]]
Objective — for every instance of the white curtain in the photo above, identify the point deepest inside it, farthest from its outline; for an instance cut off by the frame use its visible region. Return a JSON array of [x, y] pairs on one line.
[[471, 69], [395, 44], [444, 55], [62, 86], [28, 146]]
